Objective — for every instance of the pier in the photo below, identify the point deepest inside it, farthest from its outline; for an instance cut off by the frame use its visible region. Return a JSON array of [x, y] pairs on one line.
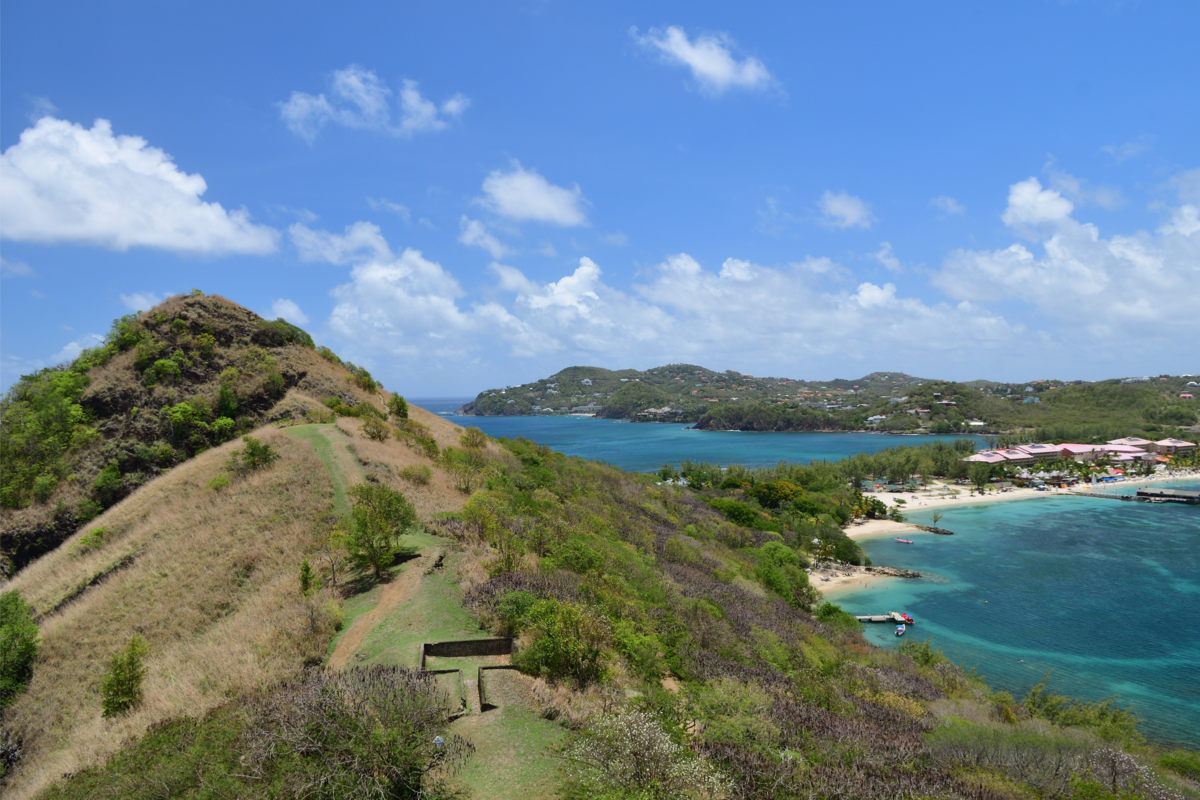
[[891, 616], [1149, 496]]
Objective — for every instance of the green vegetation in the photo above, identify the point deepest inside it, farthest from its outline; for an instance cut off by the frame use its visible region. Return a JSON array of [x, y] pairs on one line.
[[398, 407], [18, 645], [121, 689], [255, 456], [378, 517]]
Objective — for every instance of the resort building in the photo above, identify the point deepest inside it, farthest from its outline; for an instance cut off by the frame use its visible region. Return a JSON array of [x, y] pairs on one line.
[[1133, 441], [986, 457], [1173, 447], [1041, 452]]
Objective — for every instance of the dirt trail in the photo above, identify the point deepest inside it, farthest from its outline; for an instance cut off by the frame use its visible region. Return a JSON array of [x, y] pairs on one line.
[[400, 590]]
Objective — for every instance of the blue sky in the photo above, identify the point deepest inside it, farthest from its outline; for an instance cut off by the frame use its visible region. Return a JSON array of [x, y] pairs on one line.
[[464, 195]]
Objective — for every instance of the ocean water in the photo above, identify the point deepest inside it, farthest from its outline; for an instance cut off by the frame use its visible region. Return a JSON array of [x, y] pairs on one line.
[[1102, 594], [644, 447]]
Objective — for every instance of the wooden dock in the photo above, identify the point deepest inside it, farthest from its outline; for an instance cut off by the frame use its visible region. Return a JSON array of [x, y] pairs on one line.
[[892, 616], [1149, 496]]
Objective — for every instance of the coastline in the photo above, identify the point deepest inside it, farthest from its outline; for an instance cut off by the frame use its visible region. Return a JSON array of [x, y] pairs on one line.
[[858, 578]]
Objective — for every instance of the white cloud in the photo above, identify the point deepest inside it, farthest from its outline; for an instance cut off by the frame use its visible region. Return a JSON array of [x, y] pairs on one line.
[[387, 205], [1081, 191], [288, 310], [1187, 185], [42, 107], [1102, 285], [709, 58], [886, 256], [948, 205], [474, 233], [843, 211], [361, 100], [72, 350], [361, 241], [1133, 149], [524, 195], [64, 183], [143, 301], [617, 239], [12, 269]]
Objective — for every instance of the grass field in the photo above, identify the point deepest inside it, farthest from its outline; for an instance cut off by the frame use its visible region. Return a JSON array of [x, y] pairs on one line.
[[318, 437]]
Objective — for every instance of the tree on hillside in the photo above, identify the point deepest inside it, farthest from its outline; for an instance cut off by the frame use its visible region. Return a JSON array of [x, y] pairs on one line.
[[379, 517], [980, 474], [398, 407], [18, 645], [375, 429], [256, 456], [121, 689], [473, 439]]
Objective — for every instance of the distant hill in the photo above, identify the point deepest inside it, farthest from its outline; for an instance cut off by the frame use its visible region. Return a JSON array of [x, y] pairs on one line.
[[675, 392], [165, 385]]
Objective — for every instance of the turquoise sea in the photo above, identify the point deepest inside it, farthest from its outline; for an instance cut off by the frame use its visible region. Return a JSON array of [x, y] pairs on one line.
[[1104, 595]]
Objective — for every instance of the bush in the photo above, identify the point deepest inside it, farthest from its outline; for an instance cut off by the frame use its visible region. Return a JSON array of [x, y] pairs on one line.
[[256, 456], [108, 484], [18, 645], [43, 487], [375, 429], [779, 570], [473, 439], [218, 483], [1182, 763], [923, 652], [1101, 717], [121, 689], [279, 333], [418, 474], [774, 494], [327, 354], [835, 617], [629, 754], [398, 407], [568, 643]]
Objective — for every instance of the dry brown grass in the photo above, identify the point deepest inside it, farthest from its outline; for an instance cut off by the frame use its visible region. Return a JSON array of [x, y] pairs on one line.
[[212, 585]]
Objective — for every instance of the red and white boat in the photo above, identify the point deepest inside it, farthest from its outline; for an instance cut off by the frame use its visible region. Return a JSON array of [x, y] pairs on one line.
[[904, 541]]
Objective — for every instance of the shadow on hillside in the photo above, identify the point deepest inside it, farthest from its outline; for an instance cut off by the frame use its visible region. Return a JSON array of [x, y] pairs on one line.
[[366, 580]]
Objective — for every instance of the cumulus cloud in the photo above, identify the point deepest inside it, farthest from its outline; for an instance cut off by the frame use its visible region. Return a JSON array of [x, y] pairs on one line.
[[412, 309], [1082, 192], [143, 301], [474, 233], [72, 350], [359, 99], [64, 183], [361, 241], [886, 256], [524, 195], [1081, 277], [709, 58], [288, 310], [948, 205], [841, 210]]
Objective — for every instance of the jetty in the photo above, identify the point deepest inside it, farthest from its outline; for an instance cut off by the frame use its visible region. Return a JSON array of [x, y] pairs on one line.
[[892, 616], [1152, 495]]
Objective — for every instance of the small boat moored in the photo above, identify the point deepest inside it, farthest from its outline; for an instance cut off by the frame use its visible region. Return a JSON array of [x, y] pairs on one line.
[[900, 630], [904, 541]]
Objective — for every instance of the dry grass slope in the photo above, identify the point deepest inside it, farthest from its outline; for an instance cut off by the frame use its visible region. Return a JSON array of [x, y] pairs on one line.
[[212, 585]]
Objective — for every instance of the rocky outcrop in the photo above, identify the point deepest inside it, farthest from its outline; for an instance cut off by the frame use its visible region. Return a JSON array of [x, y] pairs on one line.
[[893, 572], [931, 529]]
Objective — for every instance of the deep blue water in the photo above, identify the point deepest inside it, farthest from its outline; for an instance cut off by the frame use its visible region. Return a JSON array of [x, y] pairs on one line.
[[644, 447], [1104, 594]]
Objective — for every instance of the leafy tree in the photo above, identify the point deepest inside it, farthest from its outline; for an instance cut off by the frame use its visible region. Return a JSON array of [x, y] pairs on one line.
[[779, 570], [108, 484], [568, 643], [18, 645], [121, 689], [256, 456], [773, 494], [398, 407], [378, 518], [980, 475], [306, 578]]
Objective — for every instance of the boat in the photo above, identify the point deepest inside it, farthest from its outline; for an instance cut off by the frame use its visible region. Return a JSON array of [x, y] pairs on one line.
[[904, 541], [900, 630]]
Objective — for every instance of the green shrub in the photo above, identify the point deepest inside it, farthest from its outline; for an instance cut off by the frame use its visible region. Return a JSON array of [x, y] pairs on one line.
[[43, 487], [568, 643], [256, 456], [779, 570], [773, 494], [92, 540], [108, 484], [375, 429], [835, 617], [378, 517], [578, 555], [327, 354], [923, 652], [473, 439], [275, 384], [89, 509], [222, 429], [218, 483], [512, 611], [417, 473], [18, 645], [121, 689], [1102, 717], [1182, 763], [279, 333]]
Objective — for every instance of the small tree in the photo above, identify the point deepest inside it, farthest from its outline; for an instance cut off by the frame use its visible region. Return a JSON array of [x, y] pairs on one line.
[[398, 407], [256, 456], [473, 439], [18, 645], [121, 689], [306, 578], [379, 516]]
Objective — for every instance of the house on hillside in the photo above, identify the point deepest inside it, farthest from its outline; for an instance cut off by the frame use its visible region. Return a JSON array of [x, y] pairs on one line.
[[1186, 396], [1029, 400], [586, 381]]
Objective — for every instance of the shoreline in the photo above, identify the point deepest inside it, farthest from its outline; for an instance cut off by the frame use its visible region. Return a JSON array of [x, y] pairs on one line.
[[859, 578]]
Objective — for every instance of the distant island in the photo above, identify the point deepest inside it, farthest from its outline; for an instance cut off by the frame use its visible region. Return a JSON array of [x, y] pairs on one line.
[[881, 401]]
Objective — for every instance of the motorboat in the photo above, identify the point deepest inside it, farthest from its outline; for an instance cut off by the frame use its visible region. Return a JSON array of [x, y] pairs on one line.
[[900, 630], [904, 541]]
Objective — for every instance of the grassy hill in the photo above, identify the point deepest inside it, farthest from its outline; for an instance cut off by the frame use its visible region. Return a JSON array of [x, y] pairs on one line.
[[166, 384]]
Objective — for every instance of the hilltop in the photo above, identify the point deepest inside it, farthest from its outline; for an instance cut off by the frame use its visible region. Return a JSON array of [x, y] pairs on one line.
[[165, 385]]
